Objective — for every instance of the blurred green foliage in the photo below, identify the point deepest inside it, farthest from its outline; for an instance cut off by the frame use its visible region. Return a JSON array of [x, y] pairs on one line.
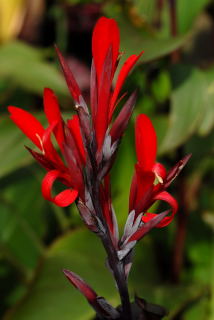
[[176, 89]]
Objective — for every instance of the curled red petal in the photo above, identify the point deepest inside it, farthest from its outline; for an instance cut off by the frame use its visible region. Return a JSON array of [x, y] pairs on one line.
[[53, 114], [28, 124], [126, 68], [62, 199], [146, 142], [105, 34], [164, 196]]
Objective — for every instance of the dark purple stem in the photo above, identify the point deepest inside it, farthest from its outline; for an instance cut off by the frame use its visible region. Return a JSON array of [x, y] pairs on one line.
[[173, 27], [116, 265]]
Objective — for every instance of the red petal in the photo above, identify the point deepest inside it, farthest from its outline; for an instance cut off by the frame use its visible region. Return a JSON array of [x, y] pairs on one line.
[[159, 170], [62, 199], [146, 142], [81, 285], [126, 68], [74, 126], [71, 82], [29, 125], [105, 34], [165, 196], [101, 121], [106, 205], [93, 92], [48, 148], [145, 186], [53, 114]]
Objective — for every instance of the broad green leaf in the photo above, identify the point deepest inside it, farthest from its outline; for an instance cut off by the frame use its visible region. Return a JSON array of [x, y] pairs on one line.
[[51, 296], [22, 218], [134, 40], [26, 67], [187, 12], [12, 151], [187, 108], [161, 86], [191, 106], [207, 122], [145, 9], [199, 311]]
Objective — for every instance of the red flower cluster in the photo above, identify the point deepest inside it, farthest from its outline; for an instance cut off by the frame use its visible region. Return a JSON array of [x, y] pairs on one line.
[[85, 134], [88, 143], [105, 48]]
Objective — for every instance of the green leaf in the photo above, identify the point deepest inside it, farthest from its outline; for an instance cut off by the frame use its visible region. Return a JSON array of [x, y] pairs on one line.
[[51, 295], [187, 107], [207, 121], [146, 10], [161, 86], [26, 67], [134, 40], [187, 12], [12, 151], [191, 106], [22, 219]]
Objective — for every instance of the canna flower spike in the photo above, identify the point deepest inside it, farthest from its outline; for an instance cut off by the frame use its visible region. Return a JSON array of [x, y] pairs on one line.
[[87, 146], [105, 49]]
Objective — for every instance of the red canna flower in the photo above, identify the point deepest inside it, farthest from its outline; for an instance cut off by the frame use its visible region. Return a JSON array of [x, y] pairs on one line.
[[70, 136], [49, 158], [106, 55], [150, 179]]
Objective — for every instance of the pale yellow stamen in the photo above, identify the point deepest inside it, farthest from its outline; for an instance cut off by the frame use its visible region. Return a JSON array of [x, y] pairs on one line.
[[158, 178], [41, 143]]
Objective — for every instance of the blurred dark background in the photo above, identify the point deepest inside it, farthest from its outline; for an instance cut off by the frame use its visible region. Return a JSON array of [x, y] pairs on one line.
[[175, 78]]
